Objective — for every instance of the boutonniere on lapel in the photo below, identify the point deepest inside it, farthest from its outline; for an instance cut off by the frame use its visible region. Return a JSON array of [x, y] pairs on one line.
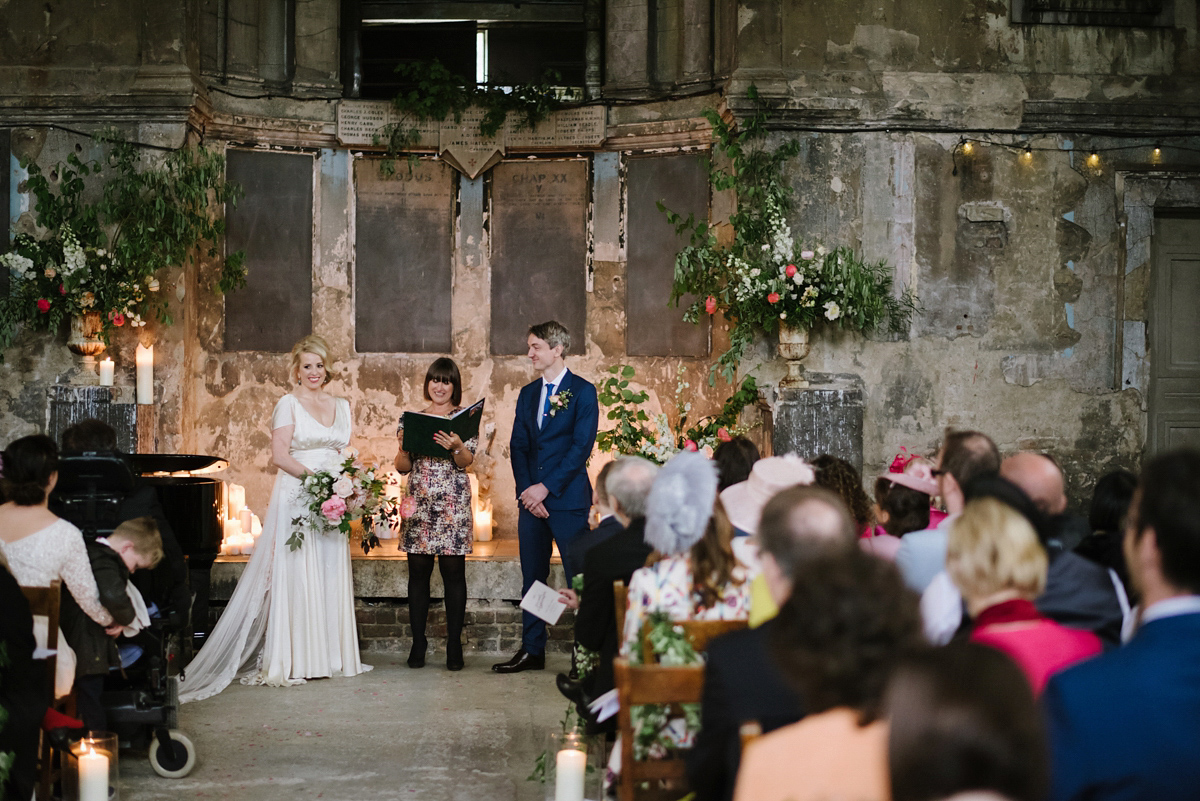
[[559, 400]]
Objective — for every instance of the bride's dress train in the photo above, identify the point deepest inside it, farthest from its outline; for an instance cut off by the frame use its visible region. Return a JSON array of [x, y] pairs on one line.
[[291, 616]]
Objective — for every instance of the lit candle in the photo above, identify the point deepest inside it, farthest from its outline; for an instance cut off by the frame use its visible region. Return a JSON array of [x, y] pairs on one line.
[[569, 769], [145, 374], [106, 373], [255, 526], [247, 520], [93, 776], [483, 524], [247, 545]]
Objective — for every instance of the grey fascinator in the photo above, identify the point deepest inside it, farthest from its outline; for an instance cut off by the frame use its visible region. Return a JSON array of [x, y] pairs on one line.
[[681, 502]]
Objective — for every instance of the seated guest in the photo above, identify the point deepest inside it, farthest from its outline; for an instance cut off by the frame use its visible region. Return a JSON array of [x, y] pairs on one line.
[[841, 477], [847, 623], [693, 573], [40, 547], [963, 721], [628, 484], [1106, 519], [1126, 725], [1039, 475], [744, 503], [964, 456], [902, 505], [734, 459], [24, 696], [133, 545], [741, 681], [1078, 593], [166, 585], [996, 561], [607, 524]]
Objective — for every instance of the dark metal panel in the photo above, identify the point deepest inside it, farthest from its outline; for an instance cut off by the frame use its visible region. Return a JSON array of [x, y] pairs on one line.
[[273, 223], [403, 243], [539, 250], [680, 182]]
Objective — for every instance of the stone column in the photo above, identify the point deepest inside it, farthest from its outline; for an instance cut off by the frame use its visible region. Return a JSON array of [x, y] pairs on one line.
[[824, 417]]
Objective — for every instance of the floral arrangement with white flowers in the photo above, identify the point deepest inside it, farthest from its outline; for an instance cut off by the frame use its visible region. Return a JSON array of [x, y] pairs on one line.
[[767, 278], [352, 492]]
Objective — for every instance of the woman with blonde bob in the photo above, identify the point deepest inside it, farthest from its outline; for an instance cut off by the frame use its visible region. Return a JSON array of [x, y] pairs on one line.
[[994, 557], [291, 617]]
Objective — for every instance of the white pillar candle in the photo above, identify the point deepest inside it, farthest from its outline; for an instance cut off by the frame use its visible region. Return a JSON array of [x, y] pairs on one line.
[[483, 524], [255, 526], [106, 373], [93, 776], [237, 499], [569, 769], [145, 374], [247, 520]]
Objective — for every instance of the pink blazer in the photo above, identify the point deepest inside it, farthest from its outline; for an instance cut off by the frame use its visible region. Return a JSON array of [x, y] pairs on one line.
[[1038, 645]]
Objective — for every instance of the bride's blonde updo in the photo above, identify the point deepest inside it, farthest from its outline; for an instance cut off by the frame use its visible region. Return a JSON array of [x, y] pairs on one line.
[[311, 344]]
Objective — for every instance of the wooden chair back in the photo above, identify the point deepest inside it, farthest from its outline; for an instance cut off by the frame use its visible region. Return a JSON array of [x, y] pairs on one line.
[[652, 684], [621, 602], [699, 633], [45, 602]]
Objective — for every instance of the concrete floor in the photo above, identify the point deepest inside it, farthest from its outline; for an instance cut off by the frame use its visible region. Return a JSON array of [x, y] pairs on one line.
[[393, 733]]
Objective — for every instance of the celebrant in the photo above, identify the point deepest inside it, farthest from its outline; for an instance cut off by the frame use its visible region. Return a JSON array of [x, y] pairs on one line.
[[291, 617], [440, 523]]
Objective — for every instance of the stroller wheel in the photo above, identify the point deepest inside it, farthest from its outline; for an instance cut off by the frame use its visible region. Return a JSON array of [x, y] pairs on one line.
[[176, 762]]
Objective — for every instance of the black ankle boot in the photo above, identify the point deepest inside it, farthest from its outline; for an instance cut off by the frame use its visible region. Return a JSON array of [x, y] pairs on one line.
[[416, 655], [454, 654]]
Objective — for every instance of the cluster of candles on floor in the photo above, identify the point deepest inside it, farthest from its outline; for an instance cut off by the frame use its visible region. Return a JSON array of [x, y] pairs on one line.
[[242, 526]]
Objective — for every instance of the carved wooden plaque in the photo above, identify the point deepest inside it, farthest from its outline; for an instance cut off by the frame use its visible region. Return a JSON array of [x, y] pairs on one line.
[[539, 249], [652, 327], [273, 223], [404, 230]]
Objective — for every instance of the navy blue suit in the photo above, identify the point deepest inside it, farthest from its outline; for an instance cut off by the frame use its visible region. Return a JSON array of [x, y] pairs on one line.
[[1126, 725], [556, 455]]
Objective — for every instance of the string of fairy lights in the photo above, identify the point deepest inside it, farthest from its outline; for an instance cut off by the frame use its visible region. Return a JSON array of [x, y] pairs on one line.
[[1154, 149]]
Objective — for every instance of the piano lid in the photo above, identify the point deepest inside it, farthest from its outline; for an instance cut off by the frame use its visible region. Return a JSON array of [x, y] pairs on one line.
[[176, 463]]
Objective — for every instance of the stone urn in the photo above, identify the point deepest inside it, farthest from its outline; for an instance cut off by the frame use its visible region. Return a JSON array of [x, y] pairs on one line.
[[793, 346], [85, 340]]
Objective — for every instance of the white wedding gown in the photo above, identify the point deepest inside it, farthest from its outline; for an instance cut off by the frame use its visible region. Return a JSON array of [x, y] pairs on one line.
[[291, 616]]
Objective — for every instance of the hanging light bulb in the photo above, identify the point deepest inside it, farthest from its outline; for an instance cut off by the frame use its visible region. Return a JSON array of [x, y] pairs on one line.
[[967, 147], [1027, 155], [1094, 159]]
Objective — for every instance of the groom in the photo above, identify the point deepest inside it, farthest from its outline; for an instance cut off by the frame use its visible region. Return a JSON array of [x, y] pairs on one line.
[[553, 435]]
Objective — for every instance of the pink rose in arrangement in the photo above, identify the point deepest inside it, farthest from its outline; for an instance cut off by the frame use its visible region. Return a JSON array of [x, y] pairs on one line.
[[62, 289], [723, 434], [773, 297], [690, 445], [710, 305], [43, 305], [117, 318], [791, 270], [344, 487], [334, 509], [408, 506]]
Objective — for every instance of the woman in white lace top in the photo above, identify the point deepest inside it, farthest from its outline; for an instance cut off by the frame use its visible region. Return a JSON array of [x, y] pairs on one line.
[[41, 547]]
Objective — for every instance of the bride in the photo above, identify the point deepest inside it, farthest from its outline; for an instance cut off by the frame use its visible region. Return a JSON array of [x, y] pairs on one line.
[[291, 616]]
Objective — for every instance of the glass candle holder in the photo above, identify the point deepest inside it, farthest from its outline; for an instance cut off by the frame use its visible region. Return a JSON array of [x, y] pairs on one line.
[[92, 771], [574, 767]]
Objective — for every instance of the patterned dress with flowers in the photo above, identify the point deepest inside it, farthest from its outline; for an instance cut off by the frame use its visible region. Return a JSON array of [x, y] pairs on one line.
[[441, 522]]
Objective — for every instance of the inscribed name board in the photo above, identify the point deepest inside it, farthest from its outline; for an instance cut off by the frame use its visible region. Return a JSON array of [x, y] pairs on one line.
[[273, 223], [404, 227], [539, 250], [652, 327]]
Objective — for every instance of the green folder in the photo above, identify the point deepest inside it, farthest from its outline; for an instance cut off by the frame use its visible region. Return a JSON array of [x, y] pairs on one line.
[[419, 429]]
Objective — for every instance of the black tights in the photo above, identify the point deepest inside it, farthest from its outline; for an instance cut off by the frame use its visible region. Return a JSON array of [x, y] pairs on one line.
[[454, 578]]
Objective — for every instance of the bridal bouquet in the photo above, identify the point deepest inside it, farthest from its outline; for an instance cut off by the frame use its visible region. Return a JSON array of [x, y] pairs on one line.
[[337, 498]]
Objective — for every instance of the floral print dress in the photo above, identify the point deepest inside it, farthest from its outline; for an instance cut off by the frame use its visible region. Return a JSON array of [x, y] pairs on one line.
[[442, 522]]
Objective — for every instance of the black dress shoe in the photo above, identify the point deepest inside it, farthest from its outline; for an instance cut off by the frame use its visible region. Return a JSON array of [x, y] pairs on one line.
[[522, 661], [571, 690], [454, 656], [416, 655]]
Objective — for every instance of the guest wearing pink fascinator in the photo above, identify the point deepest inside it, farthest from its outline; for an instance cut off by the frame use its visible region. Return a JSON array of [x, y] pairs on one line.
[[902, 504]]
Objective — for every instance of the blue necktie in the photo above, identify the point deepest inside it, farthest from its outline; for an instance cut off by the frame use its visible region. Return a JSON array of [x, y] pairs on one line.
[[546, 405]]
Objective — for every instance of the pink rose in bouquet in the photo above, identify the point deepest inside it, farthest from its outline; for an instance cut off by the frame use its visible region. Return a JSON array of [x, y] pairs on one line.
[[334, 509]]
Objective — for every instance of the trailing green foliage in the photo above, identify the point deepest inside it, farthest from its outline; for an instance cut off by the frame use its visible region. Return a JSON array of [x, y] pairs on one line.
[[102, 256], [766, 277]]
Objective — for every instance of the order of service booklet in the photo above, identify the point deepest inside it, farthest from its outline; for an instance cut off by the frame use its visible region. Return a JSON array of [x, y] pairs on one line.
[[419, 429]]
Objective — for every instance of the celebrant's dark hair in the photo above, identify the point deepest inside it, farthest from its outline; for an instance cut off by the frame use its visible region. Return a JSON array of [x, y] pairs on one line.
[[444, 369]]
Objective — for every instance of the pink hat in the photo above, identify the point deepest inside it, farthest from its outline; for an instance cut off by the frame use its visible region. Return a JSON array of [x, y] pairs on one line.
[[744, 502], [917, 475]]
